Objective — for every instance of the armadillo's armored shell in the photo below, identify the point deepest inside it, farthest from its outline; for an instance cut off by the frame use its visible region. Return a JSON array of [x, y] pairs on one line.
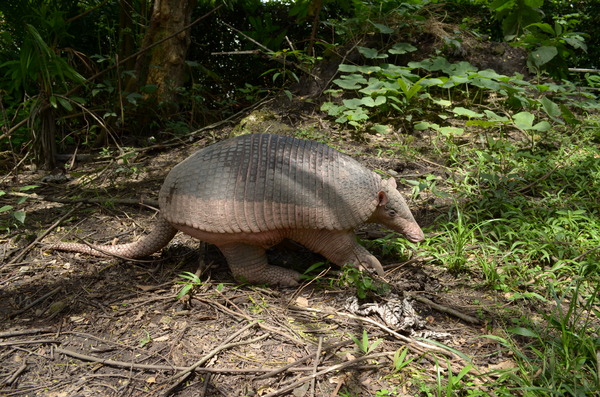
[[261, 182]]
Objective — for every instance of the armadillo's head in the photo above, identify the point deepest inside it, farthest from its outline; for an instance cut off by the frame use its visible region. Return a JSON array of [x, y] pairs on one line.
[[393, 212]]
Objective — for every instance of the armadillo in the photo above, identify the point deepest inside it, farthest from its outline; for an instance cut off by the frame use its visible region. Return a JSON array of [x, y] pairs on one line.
[[248, 193]]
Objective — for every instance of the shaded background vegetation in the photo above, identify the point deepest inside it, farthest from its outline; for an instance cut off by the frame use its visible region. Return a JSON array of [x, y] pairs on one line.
[[65, 64]]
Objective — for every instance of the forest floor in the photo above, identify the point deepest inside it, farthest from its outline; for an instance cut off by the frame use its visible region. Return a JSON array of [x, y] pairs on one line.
[[74, 325]]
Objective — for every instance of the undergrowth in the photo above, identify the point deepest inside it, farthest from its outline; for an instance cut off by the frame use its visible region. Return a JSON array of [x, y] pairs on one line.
[[519, 210]]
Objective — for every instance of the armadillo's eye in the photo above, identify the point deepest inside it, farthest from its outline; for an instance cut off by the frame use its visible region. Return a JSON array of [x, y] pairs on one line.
[[392, 213]]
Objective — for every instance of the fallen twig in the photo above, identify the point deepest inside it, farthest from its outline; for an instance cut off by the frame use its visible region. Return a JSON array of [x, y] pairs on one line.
[[336, 367], [35, 302], [28, 342], [277, 371], [41, 236], [445, 309], [225, 345], [316, 367], [9, 334], [157, 367], [538, 180], [16, 374], [241, 314], [116, 363], [186, 372], [579, 257]]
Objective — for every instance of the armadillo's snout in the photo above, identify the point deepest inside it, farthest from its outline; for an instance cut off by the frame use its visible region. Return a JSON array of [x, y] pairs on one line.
[[414, 233]]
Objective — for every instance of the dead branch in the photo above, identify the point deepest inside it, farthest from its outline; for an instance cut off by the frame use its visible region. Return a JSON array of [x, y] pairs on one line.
[[336, 367], [225, 345], [35, 302], [16, 374], [9, 334], [316, 367], [28, 342], [445, 309], [116, 363], [300, 361]]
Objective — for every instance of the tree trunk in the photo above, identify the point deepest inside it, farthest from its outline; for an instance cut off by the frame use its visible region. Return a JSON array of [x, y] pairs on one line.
[[44, 133], [127, 31], [164, 66]]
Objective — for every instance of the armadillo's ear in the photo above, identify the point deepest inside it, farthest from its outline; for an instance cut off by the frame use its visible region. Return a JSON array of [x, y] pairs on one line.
[[392, 183], [383, 198]]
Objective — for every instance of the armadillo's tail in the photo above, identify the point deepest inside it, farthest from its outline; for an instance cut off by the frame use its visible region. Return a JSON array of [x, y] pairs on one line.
[[160, 236]]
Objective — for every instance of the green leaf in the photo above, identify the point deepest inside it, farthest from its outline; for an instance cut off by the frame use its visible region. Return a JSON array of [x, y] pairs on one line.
[[423, 125], [551, 108], [350, 81], [542, 126], [382, 28], [6, 208], [433, 82], [65, 104], [524, 332], [28, 187], [367, 101], [451, 131], [331, 108], [402, 48], [490, 74], [441, 102], [543, 55], [462, 68], [380, 100], [544, 27], [483, 82], [20, 216], [184, 291], [456, 79], [370, 53], [360, 69], [133, 98], [353, 103], [460, 111], [523, 120], [569, 117], [357, 115], [576, 42], [375, 86], [395, 71], [381, 129], [482, 123], [495, 117]]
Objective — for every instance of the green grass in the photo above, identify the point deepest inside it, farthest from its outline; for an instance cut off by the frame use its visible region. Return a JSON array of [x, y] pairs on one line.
[[522, 220]]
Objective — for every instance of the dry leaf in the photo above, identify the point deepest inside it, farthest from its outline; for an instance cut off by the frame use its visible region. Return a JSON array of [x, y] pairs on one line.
[[302, 301]]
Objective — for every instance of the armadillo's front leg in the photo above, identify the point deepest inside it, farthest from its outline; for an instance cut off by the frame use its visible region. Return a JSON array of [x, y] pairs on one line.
[[340, 247], [249, 263]]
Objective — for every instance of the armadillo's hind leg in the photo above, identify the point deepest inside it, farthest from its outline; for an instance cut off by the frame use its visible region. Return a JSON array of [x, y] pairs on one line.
[[249, 263]]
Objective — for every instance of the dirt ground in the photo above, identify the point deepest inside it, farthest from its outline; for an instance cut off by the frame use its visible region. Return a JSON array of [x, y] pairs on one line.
[[74, 325]]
